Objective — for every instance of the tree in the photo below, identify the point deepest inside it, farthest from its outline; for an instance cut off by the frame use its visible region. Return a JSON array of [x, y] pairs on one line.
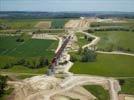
[[128, 49], [8, 65], [27, 63], [30, 63], [80, 50], [121, 81], [46, 62], [41, 60], [36, 63], [110, 47], [21, 61], [85, 36], [90, 31], [19, 39], [73, 58], [18, 31], [88, 55], [89, 39], [22, 37], [3, 80]]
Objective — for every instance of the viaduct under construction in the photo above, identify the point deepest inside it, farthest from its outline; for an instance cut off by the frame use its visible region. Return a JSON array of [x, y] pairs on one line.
[[58, 55]]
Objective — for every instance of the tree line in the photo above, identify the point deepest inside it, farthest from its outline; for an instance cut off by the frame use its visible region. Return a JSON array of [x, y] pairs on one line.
[[3, 84], [84, 55], [30, 63], [92, 30]]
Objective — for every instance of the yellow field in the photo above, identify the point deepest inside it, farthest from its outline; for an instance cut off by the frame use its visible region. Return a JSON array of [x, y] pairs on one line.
[[43, 24], [77, 24]]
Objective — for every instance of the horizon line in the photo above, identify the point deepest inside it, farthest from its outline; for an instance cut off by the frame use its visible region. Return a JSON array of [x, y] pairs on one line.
[[67, 11]]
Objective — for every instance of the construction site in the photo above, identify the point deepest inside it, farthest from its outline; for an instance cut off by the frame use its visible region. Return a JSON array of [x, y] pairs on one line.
[[51, 86], [66, 50]]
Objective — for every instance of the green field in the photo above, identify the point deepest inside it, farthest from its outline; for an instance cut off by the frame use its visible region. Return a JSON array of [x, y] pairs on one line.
[[10, 50], [19, 23], [58, 23], [22, 70], [106, 65], [128, 86], [81, 39], [7, 43], [29, 48], [30, 23], [34, 48], [115, 40], [98, 92]]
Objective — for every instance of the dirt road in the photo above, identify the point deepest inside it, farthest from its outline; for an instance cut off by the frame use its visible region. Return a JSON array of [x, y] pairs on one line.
[[95, 41], [116, 53]]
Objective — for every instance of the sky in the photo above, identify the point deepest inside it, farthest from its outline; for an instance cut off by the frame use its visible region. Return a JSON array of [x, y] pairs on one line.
[[67, 5]]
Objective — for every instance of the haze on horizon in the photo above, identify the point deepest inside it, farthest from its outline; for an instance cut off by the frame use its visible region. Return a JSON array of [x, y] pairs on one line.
[[67, 5]]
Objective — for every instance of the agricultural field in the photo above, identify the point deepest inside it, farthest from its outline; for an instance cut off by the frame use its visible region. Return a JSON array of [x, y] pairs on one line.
[[106, 65], [52, 31], [77, 24], [43, 25], [10, 50], [126, 23], [98, 92], [7, 43], [33, 48], [116, 40], [58, 23], [10, 47], [19, 23], [31, 51], [31, 23]]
